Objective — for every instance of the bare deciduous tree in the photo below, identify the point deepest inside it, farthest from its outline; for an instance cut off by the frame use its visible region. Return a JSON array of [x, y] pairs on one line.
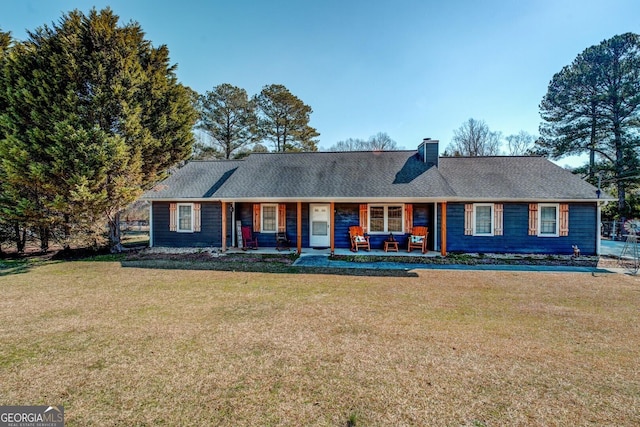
[[377, 142], [521, 144], [474, 138]]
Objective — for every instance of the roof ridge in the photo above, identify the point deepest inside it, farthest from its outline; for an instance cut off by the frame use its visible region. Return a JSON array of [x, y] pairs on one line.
[[502, 156], [333, 152]]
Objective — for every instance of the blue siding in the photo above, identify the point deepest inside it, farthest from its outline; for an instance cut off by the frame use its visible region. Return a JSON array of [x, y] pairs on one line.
[[422, 216], [305, 225], [244, 213], [582, 229], [582, 232], [348, 215], [210, 234]]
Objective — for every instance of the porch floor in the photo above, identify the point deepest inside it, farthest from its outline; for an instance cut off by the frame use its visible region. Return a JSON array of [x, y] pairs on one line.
[[338, 251]]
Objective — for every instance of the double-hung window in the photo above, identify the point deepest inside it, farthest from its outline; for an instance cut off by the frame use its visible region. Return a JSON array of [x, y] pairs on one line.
[[548, 220], [269, 218], [483, 219], [386, 218], [185, 217]]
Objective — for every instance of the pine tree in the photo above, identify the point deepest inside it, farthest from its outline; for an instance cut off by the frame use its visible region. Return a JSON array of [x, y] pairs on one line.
[[229, 118], [95, 114], [593, 106], [284, 120]]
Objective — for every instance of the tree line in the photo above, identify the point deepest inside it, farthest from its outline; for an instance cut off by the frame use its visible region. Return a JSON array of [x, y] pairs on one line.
[[92, 114], [592, 106], [235, 125]]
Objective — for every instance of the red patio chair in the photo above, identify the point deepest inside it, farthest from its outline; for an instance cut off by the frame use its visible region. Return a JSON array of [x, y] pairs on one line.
[[248, 241]]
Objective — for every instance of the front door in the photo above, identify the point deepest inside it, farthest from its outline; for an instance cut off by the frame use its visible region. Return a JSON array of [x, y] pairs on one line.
[[320, 226]]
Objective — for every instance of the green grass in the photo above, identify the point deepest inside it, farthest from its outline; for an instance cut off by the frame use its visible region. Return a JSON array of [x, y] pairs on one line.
[[128, 346]]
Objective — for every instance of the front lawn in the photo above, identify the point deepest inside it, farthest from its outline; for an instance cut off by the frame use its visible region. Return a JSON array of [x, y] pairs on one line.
[[132, 346]]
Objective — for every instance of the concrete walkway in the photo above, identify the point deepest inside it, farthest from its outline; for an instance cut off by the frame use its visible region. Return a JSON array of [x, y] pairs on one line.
[[609, 248], [614, 248], [323, 261]]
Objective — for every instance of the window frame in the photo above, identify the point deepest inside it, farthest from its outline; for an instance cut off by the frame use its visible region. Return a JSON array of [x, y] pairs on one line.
[[556, 233], [179, 223], [385, 214], [262, 222], [491, 218]]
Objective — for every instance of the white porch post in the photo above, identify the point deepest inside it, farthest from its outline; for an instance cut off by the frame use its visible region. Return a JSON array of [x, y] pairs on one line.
[[299, 227], [598, 223], [150, 224], [435, 227], [224, 226], [233, 224], [332, 216]]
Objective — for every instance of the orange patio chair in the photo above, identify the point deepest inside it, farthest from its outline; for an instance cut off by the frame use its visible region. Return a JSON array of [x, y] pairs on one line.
[[418, 239], [358, 239]]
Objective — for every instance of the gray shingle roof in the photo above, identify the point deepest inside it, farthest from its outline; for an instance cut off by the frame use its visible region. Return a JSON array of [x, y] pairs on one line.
[[336, 175], [373, 175], [528, 178], [195, 180]]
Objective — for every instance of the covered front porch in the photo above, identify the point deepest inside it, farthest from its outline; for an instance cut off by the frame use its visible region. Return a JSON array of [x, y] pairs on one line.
[[298, 221]]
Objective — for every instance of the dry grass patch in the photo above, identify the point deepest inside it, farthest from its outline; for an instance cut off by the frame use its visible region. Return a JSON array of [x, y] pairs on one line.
[[127, 346]]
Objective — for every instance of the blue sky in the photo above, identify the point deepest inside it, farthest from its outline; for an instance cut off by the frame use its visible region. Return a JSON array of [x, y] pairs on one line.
[[412, 69]]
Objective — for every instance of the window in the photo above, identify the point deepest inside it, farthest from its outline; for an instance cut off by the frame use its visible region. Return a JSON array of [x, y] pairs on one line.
[[376, 219], [269, 218], [548, 220], [483, 219], [185, 217], [386, 219], [394, 219]]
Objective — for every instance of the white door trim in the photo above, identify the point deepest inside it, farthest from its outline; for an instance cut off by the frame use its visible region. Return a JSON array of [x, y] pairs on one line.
[[322, 239]]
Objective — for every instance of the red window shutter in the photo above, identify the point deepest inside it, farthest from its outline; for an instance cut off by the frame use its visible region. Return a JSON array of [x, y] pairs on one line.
[[408, 218], [533, 219], [468, 219], [564, 219], [282, 217], [196, 217], [256, 217], [497, 219], [173, 216], [364, 217]]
